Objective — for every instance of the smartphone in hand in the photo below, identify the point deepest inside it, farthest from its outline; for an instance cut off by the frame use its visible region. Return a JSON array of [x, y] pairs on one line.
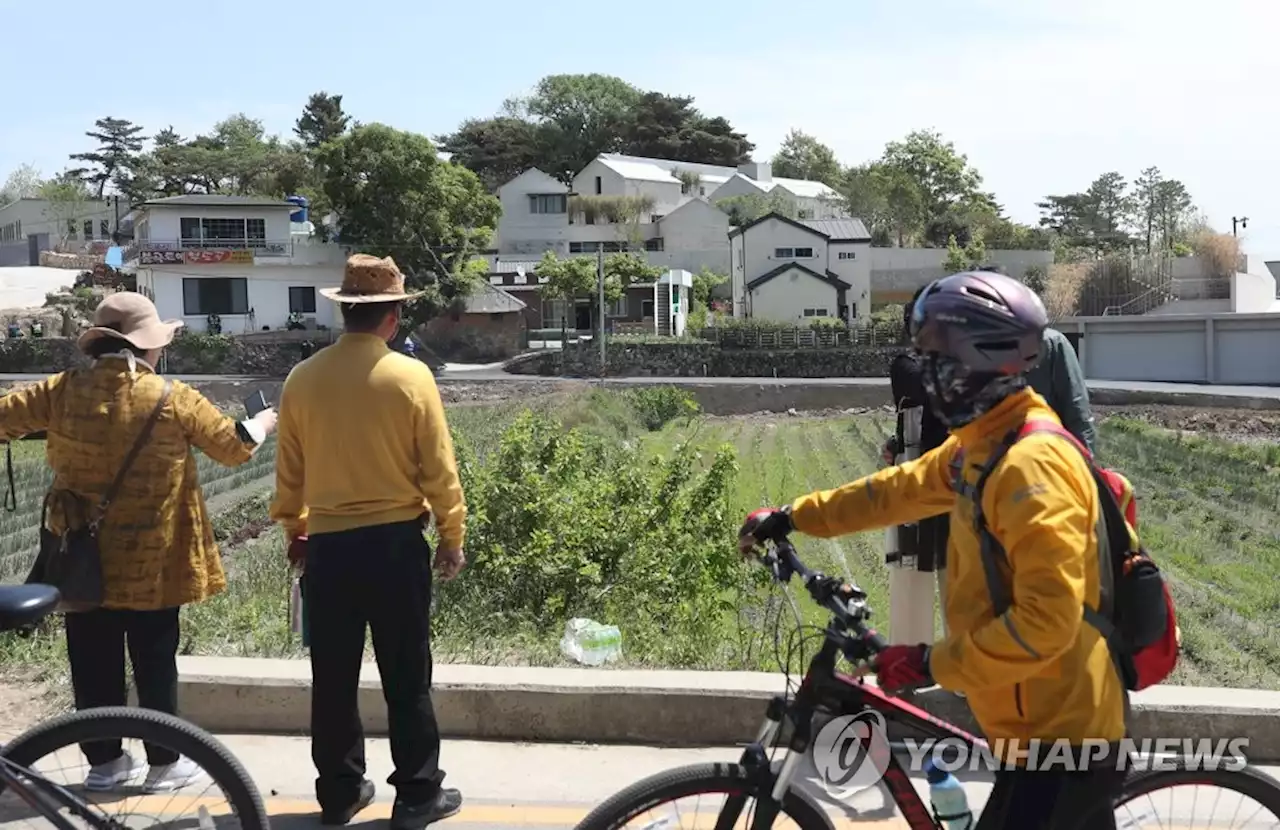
[[255, 403]]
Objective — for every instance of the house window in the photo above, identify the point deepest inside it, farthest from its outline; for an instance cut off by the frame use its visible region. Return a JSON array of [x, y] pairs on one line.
[[495, 317], [302, 299], [646, 309], [215, 295], [554, 312], [583, 247], [549, 203], [848, 255], [88, 229], [223, 233], [804, 253], [804, 214], [71, 229], [815, 312], [105, 228], [599, 185], [702, 191], [654, 244], [655, 218], [614, 247], [618, 308], [792, 253]]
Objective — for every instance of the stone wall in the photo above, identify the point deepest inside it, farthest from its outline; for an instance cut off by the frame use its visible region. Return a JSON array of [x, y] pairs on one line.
[[475, 338], [709, 360], [187, 355]]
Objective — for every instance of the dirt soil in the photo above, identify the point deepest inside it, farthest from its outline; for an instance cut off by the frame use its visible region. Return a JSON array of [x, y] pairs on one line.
[[1231, 424], [22, 705]]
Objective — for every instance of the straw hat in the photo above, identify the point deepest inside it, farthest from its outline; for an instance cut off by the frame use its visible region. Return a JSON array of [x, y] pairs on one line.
[[368, 279], [131, 317]]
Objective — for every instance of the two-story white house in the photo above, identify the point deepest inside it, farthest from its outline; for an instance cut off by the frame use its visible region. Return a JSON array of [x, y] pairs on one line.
[[670, 208], [244, 259], [793, 271]]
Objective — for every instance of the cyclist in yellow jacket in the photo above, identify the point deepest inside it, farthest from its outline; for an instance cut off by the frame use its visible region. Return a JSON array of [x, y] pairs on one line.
[[1036, 671]]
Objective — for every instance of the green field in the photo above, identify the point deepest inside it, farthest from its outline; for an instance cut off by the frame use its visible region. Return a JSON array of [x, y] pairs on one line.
[[623, 507]]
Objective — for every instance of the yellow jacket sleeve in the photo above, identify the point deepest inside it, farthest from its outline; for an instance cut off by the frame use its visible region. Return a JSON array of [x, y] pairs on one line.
[[29, 410], [1041, 505], [439, 468], [896, 495], [288, 507], [207, 428]]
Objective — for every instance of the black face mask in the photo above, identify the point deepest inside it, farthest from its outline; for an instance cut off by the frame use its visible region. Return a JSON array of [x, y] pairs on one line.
[[958, 396]]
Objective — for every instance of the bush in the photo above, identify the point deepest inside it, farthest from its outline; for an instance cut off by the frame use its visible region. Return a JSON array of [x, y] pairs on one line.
[[1220, 253], [571, 524], [659, 406]]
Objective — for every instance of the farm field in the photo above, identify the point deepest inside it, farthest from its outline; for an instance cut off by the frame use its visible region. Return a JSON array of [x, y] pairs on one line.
[[630, 519]]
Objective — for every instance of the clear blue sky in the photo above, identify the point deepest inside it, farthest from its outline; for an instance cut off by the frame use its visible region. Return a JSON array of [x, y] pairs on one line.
[[1042, 95]]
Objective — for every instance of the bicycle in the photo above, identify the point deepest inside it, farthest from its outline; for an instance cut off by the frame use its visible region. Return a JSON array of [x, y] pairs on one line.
[[772, 785], [23, 606]]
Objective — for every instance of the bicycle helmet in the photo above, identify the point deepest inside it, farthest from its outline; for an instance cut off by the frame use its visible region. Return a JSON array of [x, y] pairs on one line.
[[979, 334]]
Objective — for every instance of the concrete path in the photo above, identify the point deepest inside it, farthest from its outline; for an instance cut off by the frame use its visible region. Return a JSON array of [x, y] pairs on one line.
[[555, 785]]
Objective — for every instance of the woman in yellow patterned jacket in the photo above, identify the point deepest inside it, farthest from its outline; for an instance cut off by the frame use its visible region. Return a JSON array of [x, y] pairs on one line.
[[158, 551]]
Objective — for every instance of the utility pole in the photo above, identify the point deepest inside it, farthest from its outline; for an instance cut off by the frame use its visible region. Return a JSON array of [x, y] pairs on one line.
[[1242, 221], [600, 287]]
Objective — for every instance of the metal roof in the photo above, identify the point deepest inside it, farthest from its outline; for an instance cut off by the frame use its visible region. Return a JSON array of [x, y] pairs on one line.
[[490, 299], [215, 200], [838, 228]]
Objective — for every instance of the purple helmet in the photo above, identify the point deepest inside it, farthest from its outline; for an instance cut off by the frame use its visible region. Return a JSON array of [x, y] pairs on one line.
[[979, 333]]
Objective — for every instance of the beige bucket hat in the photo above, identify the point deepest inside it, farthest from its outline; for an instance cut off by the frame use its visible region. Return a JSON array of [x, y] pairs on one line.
[[368, 279], [131, 317]]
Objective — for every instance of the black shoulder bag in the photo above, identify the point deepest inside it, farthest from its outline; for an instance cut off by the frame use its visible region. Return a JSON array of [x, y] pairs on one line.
[[72, 561]]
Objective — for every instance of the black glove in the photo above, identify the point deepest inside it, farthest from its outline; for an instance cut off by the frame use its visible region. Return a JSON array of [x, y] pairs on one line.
[[766, 524]]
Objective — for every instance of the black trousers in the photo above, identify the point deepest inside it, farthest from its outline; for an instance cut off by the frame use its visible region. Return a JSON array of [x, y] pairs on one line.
[[1052, 800], [96, 642], [376, 577]]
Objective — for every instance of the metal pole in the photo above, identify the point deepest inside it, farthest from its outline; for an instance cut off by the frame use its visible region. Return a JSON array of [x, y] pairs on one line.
[[600, 286]]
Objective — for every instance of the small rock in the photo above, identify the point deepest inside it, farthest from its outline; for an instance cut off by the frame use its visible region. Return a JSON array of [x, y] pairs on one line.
[[792, 412]]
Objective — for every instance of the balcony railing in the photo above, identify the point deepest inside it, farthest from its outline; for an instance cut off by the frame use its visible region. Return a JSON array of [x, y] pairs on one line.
[[260, 247]]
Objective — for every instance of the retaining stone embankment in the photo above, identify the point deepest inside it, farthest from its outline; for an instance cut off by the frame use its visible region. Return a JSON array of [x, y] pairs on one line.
[[672, 708], [187, 355], [694, 360]]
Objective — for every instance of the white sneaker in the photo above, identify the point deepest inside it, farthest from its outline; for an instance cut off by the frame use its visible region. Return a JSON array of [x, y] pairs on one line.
[[108, 776], [173, 776]]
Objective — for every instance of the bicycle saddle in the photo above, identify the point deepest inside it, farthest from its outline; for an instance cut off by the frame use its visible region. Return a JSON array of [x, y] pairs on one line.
[[22, 605]]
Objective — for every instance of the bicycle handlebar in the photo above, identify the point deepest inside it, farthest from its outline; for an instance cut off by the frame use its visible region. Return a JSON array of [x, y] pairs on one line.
[[845, 600]]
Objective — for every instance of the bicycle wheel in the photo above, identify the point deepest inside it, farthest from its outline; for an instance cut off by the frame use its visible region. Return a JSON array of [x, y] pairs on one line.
[[1245, 797], [156, 728], [727, 788]]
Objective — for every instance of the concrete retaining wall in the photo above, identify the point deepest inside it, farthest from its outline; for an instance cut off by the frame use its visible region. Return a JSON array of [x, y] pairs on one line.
[[670, 708]]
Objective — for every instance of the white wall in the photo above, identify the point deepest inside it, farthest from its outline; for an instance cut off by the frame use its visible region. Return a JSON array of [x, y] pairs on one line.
[[519, 230], [855, 271], [694, 226], [752, 254], [34, 216], [897, 272], [267, 287], [785, 297], [164, 226], [1218, 348]]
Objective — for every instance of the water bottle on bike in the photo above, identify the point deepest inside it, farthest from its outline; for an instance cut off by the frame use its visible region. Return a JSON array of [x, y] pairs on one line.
[[948, 798]]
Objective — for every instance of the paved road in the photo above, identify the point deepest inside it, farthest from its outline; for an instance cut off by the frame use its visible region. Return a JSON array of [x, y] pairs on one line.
[[522, 785]]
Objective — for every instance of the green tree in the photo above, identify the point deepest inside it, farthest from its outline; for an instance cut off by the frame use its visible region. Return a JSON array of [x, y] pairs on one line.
[[1173, 203], [23, 183], [116, 159], [67, 195], [804, 157], [396, 197], [499, 149], [750, 207], [1097, 219], [704, 282], [670, 127], [887, 199], [965, 258], [943, 175], [587, 114], [322, 120]]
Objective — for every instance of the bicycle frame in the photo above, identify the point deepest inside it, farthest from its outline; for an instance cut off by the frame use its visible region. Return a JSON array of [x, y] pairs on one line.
[[825, 689], [46, 798]]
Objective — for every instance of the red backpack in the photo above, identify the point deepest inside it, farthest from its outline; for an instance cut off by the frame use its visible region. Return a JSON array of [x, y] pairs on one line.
[[1136, 615]]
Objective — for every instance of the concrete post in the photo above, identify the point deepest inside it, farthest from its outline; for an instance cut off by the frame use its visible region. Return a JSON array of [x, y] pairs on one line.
[[910, 590]]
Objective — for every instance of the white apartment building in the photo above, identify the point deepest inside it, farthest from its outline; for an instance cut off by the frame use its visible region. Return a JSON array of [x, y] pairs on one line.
[[241, 258], [679, 226], [794, 271]]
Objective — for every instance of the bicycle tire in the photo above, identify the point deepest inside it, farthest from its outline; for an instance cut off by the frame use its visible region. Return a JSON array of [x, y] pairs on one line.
[[697, 779], [1247, 780], [159, 728]]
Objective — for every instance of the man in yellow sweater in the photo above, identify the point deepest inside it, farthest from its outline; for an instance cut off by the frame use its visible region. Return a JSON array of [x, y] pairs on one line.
[[363, 459]]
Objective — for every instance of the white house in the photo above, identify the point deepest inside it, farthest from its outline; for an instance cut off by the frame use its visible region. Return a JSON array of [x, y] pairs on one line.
[[792, 270], [679, 226], [240, 258]]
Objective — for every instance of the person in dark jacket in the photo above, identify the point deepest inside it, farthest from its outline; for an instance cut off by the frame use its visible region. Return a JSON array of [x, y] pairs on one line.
[[1059, 379]]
